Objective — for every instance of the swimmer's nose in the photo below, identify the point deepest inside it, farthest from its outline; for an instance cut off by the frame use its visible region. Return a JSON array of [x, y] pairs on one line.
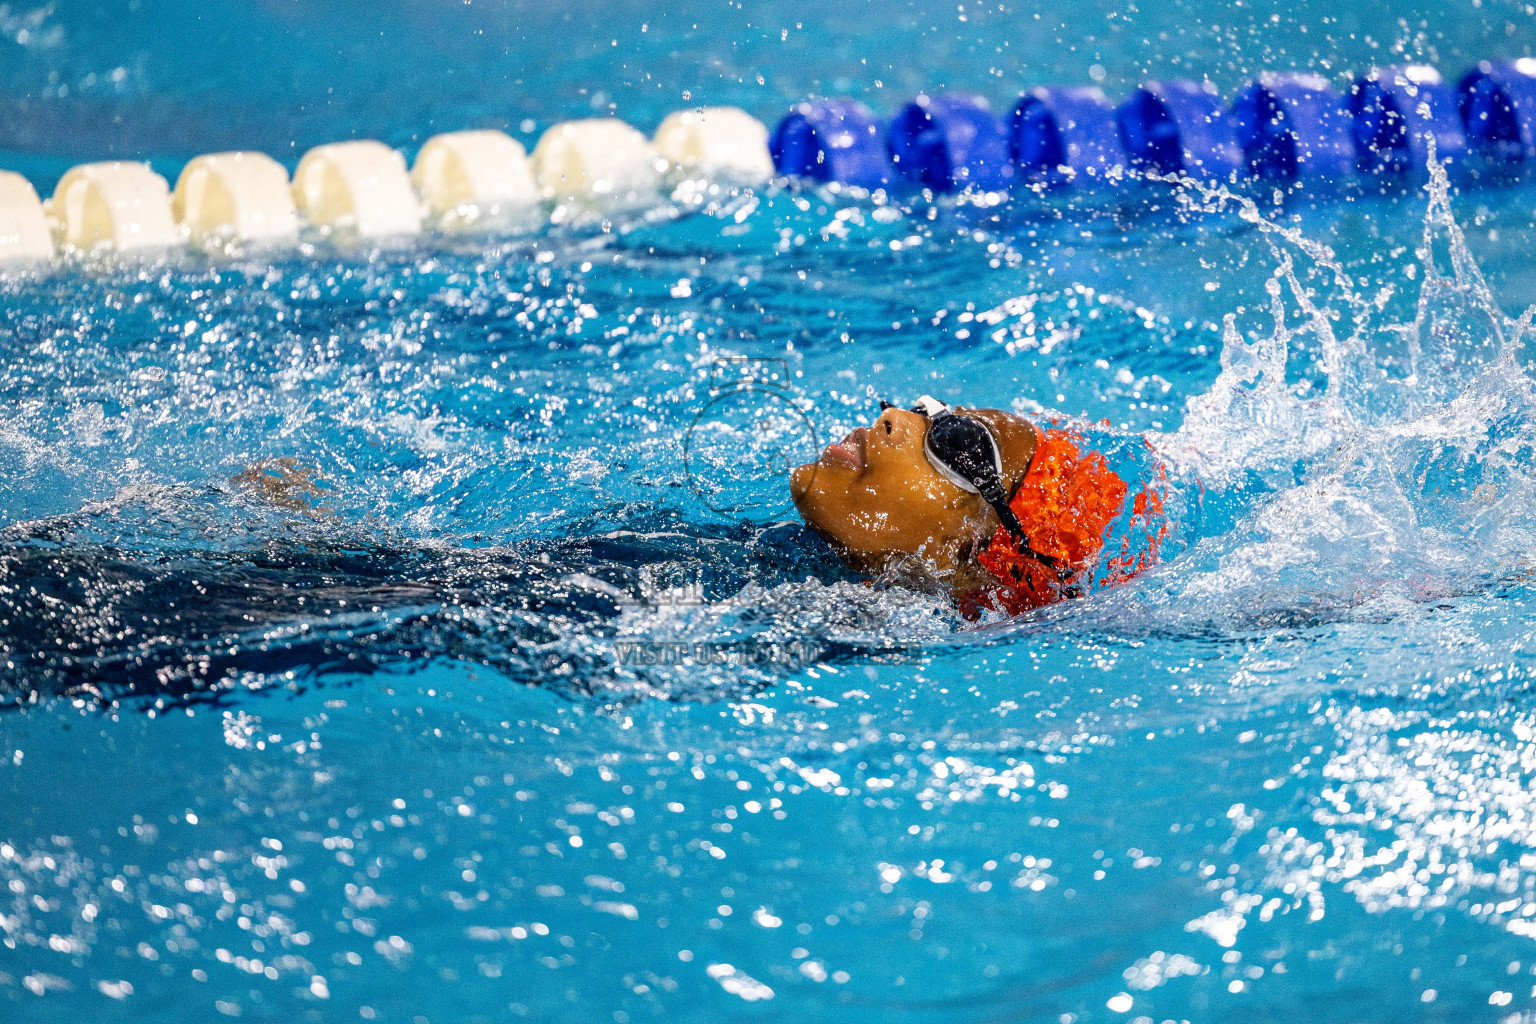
[[896, 428]]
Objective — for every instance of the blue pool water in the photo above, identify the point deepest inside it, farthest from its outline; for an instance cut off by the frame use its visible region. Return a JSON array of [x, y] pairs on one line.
[[385, 750]]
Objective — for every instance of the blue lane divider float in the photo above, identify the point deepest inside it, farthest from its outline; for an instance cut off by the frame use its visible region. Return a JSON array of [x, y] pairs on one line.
[[1282, 127], [1498, 108], [1178, 126], [1294, 126], [833, 140], [1396, 112], [1065, 134], [950, 141]]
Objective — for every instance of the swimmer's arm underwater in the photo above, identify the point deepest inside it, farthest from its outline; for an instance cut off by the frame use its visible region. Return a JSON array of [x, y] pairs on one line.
[[284, 482]]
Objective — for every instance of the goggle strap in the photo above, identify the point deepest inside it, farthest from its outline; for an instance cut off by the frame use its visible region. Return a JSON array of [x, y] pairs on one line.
[[1005, 514]]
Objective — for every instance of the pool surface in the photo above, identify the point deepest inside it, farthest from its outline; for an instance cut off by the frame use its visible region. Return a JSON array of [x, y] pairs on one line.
[[509, 686]]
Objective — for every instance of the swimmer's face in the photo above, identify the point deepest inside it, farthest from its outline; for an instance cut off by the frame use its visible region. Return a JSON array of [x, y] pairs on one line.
[[875, 495]]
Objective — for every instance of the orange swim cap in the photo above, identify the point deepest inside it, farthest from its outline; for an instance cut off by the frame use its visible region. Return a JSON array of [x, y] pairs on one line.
[[1066, 503]]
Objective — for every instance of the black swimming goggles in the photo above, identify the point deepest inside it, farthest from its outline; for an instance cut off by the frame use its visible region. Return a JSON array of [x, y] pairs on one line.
[[965, 453]]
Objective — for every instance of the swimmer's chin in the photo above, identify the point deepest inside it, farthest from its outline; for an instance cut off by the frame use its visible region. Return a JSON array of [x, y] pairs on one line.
[[810, 501], [800, 479]]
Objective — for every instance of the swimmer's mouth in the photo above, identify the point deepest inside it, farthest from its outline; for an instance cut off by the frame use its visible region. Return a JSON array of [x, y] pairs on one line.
[[847, 452]]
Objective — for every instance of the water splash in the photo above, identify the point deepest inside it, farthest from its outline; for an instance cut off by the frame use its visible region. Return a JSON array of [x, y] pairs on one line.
[[1388, 484]]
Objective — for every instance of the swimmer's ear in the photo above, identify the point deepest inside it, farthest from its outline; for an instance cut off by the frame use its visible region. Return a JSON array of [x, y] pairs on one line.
[[1016, 441]]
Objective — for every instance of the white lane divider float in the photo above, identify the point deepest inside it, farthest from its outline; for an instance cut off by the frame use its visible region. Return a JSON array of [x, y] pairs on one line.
[[474, 176], [723, 141], [459, 179], [24, 233], [600, 160], [244, 196], [117, 205], [359, 186]]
